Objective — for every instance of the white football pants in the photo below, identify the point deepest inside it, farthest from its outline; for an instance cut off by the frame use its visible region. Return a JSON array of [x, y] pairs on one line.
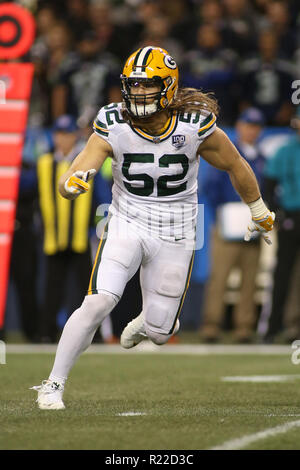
[[164, 276]]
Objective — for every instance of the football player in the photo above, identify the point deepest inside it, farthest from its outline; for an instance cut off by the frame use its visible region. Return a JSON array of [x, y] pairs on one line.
[[155, 138]]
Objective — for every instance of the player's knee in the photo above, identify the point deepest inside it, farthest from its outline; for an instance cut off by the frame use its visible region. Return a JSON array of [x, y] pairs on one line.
[[172, 282], [156, 323], [156, 316], [158, 338], [97, 306]]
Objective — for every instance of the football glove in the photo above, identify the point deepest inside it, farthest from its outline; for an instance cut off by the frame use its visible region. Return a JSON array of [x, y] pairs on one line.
[[78, 182], [261, 224]]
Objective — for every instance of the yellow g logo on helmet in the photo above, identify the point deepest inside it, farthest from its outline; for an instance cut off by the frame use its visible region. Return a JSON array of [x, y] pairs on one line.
[[150, 65], [170, 62]]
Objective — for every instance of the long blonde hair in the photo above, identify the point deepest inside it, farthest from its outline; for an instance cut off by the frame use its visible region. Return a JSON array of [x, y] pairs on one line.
[[191, 100]]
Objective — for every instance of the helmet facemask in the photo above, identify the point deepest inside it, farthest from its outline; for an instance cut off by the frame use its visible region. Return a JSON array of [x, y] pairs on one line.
[[143, 105]]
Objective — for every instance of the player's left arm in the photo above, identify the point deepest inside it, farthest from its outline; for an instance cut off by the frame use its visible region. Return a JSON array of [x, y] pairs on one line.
[[219, 151]]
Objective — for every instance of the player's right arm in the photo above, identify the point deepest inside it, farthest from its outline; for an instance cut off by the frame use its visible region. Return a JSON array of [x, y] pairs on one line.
[[87, 163]]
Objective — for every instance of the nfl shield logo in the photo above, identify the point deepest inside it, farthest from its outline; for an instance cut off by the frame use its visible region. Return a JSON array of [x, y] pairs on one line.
[[178, 140]]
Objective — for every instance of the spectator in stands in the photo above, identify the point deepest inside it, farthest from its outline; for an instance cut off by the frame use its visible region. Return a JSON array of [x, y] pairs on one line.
[[59, 42], [115, 39], [260, 6], [157, 33], [66, 226], [77, 16], [282, 187], [182, 20], [85, 82], [212, 68], [46, 18], [278, 19], [39, 106], [228, 247], [24, 254], [51, 49], [240, 26], [39, 111], [266, 82], [142, 14], [211, 12]]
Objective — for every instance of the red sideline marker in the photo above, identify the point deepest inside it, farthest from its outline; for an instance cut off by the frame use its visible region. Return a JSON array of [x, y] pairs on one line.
[[17, 32]]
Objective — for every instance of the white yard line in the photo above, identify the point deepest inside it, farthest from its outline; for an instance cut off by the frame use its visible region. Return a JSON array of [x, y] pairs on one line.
[[131, 413], [241, 442], [147, 347], [260, 378]]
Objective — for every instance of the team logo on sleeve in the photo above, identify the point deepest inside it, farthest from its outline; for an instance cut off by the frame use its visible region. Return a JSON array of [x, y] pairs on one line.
[[178, 140]]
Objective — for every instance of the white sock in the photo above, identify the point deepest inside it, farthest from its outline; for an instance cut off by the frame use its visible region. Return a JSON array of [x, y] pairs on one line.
[[79, 331], [58, 380]]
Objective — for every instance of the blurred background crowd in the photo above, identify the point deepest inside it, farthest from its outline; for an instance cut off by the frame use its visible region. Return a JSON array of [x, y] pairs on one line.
[[247, 52]]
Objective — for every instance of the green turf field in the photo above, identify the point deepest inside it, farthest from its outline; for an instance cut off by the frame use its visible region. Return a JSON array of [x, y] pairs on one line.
[[184, 402]]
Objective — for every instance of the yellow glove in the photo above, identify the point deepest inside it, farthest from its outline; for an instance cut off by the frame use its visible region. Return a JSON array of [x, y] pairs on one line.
[[78, 182], [262, 221]]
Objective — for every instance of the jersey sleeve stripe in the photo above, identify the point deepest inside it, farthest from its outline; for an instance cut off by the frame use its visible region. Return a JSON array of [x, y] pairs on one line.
[[105, 134], [100, 130], [206, 121], [205, 128], [101, 124]]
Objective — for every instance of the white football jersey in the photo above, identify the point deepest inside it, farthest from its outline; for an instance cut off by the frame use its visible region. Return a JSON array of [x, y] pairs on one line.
[[155, 177]]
